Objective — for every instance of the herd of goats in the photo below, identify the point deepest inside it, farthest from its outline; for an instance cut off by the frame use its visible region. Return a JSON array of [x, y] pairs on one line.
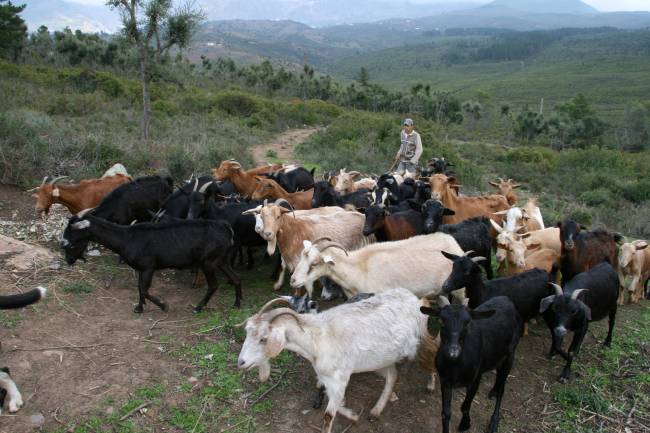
[[407, 253]]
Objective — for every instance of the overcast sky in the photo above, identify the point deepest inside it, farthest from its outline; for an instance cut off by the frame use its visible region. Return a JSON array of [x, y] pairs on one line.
[[602, 5]]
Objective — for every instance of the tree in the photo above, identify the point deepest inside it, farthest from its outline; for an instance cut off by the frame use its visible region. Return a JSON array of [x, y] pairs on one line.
[[13, 31], [363, 78], [154, 28], [529, 124], [575, 124], [634, 135]]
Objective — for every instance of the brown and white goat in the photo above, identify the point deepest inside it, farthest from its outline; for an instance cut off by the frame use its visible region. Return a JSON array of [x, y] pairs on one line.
[[346, 184], [634, 262]]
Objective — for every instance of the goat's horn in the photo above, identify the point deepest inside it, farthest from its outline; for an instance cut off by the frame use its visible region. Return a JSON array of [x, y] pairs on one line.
[[500, 179], [45, 180], [84, 212], [204, 187], [279, 201], [333, 245], [196, 184], [509, 180], [558, 289], [321, 239], [468, 252], [286, 312], [575, 294], [443, 301], [56, 179], [275, 301]]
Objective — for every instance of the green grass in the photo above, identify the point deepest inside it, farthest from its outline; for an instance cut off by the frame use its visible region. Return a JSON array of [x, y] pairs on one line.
[[78, 287], [10, 319]]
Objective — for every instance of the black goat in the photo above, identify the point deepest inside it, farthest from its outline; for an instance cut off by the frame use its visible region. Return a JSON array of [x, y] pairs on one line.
[[398, 192], [298, 179], [474, 342], [437, 165], [525, 290], [325, 195], [133, 201], [177, 205], [565, 311], [148, 247], [472, 234], [388, 226]]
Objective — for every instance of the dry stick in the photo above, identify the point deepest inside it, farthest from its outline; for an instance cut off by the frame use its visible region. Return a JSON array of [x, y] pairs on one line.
[[265, 393], [200, 415], [132, 411], [233, 426], [19, 349], [155, 323]]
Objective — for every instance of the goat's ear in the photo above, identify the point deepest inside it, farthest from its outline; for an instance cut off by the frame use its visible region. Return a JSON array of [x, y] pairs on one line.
[[525, 235], [586, 309], [80, 225], [328, 259], [414, 204], [253, 211], [450, 256], [275, 342], [449, 164], [494, 184], [641, 245], [496, 226], [306, 244], [361, 210], [533, 246], [430, 311], [545, 303], [558, 224], [448, 212], [479, 315], [354, 174], [516, 185], [501, 212]]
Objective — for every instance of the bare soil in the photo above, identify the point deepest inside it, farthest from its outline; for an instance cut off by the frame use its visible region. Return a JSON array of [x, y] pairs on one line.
[[81, 355], [283, 145]]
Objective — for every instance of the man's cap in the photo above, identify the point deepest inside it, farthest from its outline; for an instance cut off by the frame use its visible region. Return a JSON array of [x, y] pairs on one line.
[[408, 121]]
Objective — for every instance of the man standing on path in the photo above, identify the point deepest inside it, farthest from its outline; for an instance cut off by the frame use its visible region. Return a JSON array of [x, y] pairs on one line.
[[409, 151]]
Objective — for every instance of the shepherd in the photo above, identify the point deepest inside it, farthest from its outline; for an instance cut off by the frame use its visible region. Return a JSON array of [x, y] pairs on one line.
[[409, 151]]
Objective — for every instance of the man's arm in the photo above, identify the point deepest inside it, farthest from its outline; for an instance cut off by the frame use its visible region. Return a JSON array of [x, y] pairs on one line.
[[418, 150]]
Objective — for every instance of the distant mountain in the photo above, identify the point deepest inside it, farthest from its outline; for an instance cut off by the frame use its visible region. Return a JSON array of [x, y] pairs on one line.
[[544, 6]]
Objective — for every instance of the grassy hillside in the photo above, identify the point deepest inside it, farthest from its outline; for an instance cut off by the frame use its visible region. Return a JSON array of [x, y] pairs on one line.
[[610, 68]]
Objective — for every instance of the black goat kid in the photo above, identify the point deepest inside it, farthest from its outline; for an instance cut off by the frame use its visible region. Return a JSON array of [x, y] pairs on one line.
[[588, 297], [148, 247], [474, 342]]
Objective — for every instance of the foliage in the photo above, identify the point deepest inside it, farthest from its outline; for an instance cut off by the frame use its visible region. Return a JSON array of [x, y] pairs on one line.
[[13, 30], [575, 124]]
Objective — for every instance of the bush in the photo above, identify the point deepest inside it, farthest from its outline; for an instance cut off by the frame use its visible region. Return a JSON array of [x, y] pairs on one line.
[[165, 107], [238, 103], [596, 197], [75, 104]]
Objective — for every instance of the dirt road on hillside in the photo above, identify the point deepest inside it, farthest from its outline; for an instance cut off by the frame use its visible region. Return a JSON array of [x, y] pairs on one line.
[[282, 145]]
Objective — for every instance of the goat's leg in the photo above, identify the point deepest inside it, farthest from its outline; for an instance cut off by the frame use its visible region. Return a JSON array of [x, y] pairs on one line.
[[277, 267], [144, 282], [431, 386], [251, 259], [209, 271], [500, 386], [278, 284], [390, 374], [465, 421], [612, 320], [447, 393], [318, 401], [635, 287], [14, 399], [335, 393], [572, 352], [487, 265], [232, 279]]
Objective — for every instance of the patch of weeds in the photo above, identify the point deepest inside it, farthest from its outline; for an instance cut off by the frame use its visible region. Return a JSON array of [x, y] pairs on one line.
[[130, 405], [150, 392], [263, 406], [78, 287], [10, 319], [187, 419], [185, 387], [271, 153], [167, 338]]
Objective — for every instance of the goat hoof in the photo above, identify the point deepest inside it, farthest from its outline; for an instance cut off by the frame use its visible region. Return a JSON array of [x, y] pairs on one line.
[[607, 344], [464, 425], [563, 379], [492, 395], [138, 308], [373, 418], [237, 304], [164, 307], [197, 310]]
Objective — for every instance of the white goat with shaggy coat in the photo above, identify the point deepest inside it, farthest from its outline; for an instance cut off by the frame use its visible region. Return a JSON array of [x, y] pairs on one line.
[[370, 335], [415, 263]]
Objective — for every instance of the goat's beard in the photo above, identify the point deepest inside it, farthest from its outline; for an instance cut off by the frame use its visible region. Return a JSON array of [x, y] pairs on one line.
[[270, 247], [264, 370]]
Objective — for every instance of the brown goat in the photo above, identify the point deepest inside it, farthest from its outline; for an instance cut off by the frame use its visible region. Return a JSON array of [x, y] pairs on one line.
[[506, 188], [75, 196], [465, 207], [243, 180], [270, 189]]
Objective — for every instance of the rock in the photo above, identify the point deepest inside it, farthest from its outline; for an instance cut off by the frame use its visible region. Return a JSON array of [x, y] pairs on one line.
[[37, 420], [94, 253], [192, 379], [20, 256], [110, 410]]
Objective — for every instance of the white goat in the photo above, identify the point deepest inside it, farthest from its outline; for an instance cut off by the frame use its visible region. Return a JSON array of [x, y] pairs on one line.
[[370, 335], [528, 218], [415, 263], [116, 169]]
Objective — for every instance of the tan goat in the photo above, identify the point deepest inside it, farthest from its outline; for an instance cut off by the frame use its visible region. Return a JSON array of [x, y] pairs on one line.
[[270, 189], [634, 262], [506, 188]]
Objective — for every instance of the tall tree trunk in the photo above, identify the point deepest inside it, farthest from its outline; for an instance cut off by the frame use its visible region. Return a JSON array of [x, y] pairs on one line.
[[146, 100]]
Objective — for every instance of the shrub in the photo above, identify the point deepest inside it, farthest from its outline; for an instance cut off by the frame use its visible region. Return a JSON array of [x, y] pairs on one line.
[[75, 104], [596, 197], [165, 107], [238, 103]]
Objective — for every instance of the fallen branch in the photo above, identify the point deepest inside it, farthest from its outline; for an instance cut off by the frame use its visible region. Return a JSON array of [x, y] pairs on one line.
[[233, 426], [132, 411], [265, 393], [200, 415], [72, 346]]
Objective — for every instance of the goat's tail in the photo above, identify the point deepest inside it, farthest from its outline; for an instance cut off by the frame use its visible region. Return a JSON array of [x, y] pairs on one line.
[[22, 299]]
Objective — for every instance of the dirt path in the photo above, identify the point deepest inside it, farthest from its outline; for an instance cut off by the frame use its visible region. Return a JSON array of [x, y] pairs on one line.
[[283, 145]]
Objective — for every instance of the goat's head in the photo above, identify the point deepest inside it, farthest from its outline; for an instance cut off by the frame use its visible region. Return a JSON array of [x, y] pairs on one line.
[[315, 260], [75, 237], [226, 170], [199, 199], [267, 222], [453, 324], [266, 336], [345, 181], [439, 165], [569, 231], [564, 311], [441, 185], [628, 250], [432, 213], [302, 304], [505, 239], [321, 190], [267, 189], [375, 218], [46, 195], [464, 269], [505, 187]]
